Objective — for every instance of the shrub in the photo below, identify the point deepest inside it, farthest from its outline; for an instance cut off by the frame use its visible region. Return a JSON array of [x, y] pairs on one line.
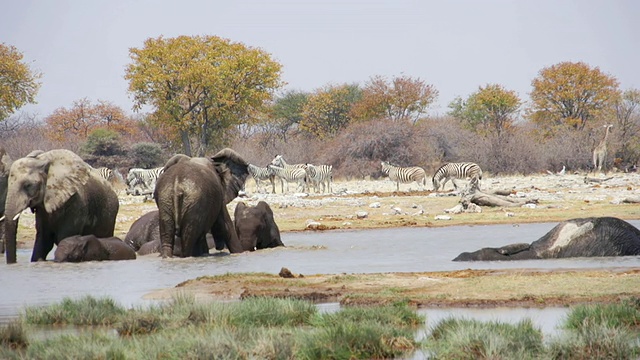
[[146, 155], [103, 142]]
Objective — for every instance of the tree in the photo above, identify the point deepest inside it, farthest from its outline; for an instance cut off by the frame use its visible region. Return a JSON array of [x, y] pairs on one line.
[[328, 110], [287, 111], [571, 94], [18, 83], [491, 109], [628, 126], [200, 86], [403, 98], [77, 122]]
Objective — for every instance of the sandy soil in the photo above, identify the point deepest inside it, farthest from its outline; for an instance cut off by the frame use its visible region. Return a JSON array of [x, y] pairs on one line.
[[376, 204]]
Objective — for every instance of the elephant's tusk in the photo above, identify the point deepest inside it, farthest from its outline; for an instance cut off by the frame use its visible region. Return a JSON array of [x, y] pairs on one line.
[[2, 218], [16, 217]]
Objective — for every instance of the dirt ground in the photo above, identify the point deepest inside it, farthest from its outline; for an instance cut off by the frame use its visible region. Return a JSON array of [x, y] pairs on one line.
[[370, 204], [559, 197]]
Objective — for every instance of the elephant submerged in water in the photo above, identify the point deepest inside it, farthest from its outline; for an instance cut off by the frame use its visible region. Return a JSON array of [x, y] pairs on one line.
[[256, 226], [144, 235], [90, 248], [584, 237]]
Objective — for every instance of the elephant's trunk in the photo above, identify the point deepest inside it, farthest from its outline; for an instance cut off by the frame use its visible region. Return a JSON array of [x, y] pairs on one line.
[[14, 206]]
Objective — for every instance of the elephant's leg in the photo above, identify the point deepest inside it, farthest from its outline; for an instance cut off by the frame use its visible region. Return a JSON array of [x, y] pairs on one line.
[[167, 233], [44, 240], [224, 230]]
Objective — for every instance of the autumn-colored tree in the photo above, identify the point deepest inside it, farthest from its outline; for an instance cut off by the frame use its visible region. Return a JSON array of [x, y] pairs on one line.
[[77, 122], [200, 86], [491, 109], [328, 109], [402, 98], [573, 94], [18, 83], [628, 126]]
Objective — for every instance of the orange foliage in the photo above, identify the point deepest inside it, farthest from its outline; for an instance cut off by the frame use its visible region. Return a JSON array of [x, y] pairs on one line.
[[82, 118]]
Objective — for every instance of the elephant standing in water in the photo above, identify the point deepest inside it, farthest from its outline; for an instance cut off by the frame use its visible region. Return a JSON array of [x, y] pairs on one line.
[[65, 195], [192, 195], [90, 248], [256, 226], [144, 235], [598, 236]]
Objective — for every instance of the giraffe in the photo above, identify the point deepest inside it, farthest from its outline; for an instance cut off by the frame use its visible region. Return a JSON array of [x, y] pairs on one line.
[[600, 152]]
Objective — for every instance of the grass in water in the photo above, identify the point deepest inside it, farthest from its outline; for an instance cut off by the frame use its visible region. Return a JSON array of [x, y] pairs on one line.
[[623, 315], [471, 339], [84, 311]]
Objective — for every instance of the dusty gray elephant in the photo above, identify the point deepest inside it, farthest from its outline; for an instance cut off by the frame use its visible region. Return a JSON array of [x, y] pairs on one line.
[[144, 235], [256, 226], [5, 165], [66, 196], [192, 195], [597, 236], [90, 248]]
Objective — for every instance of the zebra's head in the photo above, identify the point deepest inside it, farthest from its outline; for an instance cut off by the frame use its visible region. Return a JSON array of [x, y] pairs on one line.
[[385, 167], [436, 183], [278, 161]]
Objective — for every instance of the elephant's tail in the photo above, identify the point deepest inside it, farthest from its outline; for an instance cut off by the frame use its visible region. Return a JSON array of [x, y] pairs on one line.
[[177, 207]]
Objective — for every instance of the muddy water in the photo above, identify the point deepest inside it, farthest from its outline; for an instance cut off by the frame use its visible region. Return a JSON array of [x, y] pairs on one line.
[[389, 250]]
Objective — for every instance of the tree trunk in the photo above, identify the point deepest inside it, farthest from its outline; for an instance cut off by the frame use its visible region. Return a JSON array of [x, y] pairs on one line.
[[186, 143]]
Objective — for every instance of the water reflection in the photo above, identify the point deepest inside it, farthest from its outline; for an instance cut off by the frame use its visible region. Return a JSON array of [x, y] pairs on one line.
[[388, 250]]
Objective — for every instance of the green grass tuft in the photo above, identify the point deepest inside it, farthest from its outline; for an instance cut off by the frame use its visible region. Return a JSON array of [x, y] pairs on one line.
[[84, 311], [622, 315], [471, 339]]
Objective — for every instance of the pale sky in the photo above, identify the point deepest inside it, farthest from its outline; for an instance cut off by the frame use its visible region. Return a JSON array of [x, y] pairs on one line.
[[82, 46]]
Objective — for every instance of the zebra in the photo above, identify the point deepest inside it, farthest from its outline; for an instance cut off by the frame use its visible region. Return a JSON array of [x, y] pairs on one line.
[[260, 174], [279, 161], [404, 174], [320, 174], [290, 174], [452, 171], [105, 173], [144, 178]]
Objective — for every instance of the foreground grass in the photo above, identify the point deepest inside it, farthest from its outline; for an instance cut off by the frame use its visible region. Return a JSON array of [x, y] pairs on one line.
[[592, 332], [185, 329]]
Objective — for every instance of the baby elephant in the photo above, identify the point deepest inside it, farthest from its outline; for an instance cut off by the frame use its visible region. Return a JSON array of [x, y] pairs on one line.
[[90, 248], [256, 227], [144, 235]]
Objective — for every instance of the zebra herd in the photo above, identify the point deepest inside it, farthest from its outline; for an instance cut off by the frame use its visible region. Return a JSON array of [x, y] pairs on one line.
[[143, 181], [305, 175], [449, 171]]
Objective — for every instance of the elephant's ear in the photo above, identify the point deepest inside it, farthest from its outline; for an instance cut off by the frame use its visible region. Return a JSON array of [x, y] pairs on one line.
[[5, 162], [233, 171], [175, 159], [67, 174]]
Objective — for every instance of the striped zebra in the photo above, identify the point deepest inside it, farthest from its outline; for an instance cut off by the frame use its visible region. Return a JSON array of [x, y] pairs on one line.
[[105, 173], [261, 174], [453, 171], [144, 178], [279, 161], [320, 174], [291, 174], [404, 174]]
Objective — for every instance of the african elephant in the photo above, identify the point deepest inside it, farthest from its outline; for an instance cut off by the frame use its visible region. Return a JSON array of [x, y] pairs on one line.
[[192, 195], [597, 236], [256, 227], [90, 248], [67, 198], [144, 235], [5, 165]]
